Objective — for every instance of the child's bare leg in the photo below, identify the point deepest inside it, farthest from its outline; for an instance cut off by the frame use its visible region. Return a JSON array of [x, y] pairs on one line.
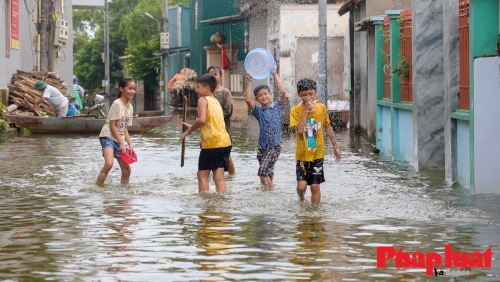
[[301, 189], [220, 184], [203, 180], [108, 164], [231, 168], [126, 170], [266, 181], [316, 193]]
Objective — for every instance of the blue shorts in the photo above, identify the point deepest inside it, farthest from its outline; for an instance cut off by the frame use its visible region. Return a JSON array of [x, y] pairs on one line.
[[212, 159], [107, 142], [312, 172]]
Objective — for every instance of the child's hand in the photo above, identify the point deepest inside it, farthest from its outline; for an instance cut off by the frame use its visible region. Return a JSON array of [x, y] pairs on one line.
[[336, 153], [132, 151], [183, 136], [123, 148], [185, 126], [310, 105], [249, 77], [275, 68]]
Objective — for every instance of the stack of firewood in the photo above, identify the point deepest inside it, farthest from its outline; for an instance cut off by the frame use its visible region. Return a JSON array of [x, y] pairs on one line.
[[23, 95]]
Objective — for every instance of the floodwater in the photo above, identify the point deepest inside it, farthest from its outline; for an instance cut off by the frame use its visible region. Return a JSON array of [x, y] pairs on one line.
[[57, 225]]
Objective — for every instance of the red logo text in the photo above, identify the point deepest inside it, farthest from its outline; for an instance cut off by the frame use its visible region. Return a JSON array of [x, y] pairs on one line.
[[431, 260]]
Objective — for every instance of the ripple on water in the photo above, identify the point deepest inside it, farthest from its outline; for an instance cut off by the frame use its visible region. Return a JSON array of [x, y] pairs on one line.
[[56, 224]]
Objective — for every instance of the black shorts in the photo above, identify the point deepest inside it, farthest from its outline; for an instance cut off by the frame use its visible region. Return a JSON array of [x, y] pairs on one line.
[[212, 159], [312, 172]]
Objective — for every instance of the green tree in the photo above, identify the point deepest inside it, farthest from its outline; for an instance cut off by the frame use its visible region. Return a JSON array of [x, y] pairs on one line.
[[130, 32], [143, 64]]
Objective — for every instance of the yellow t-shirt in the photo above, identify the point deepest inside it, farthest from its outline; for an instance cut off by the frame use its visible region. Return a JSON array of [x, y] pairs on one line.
[[213, 132], [310, 144]]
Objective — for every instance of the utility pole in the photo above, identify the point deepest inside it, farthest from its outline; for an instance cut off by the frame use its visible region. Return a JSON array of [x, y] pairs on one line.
[[106, 44], [166, 98], [52, 50], [44, 36], [322, 69]]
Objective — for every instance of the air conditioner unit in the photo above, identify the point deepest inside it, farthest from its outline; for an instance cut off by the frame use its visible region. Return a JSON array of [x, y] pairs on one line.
[[165, 41]]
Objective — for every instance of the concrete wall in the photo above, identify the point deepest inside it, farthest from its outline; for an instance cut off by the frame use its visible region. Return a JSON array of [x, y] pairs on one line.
[[375, 8], [363, 109], [301, 21], [451, 84], [463, 153], [26, 58], [368, 125], [384, 134], [428, 88], [403, 135], [486, 130]]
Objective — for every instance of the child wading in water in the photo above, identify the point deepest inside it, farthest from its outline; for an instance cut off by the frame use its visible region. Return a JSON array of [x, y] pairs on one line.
[[114, 133], [269, 117], [223, 95], [309, 119], [215, 142]]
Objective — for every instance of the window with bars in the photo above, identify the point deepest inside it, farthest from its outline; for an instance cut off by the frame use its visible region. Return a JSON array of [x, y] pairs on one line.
[[387, 60], [405, 57], [463, 38]]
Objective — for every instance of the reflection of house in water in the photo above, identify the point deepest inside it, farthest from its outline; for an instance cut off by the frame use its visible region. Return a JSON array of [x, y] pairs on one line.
[[214, 237], [120, 212]]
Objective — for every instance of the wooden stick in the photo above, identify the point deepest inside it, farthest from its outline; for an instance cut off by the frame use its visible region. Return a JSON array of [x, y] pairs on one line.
[[184, 107]]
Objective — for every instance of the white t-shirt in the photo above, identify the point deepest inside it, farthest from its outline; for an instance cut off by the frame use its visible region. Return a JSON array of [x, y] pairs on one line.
[[123, 117], [54, 97]]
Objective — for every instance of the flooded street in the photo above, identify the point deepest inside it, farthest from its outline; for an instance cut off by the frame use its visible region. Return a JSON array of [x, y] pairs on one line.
[[57, 224]]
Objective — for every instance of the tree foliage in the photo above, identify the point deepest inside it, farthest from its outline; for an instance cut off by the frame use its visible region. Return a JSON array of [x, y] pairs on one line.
[[143, 64], [131, 32]]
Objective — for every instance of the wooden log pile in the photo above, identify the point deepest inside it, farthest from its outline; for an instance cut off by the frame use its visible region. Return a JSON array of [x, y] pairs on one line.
[[22, 93]]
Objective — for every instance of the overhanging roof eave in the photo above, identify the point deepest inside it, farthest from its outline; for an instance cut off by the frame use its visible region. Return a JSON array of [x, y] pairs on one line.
[[226, 19]]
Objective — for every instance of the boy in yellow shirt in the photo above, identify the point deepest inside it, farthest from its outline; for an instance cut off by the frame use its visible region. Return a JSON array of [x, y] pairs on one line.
[[215, 142], [309, 119]]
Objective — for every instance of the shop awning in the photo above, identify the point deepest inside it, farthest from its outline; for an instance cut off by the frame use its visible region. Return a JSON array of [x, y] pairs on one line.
[[226, 19]]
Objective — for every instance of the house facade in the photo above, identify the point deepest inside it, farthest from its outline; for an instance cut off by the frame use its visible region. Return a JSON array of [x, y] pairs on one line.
[[432, 68], [19, 46], [289, 30]]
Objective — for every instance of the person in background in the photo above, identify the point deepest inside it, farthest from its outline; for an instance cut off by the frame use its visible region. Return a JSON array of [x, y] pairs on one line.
[[114, 132], [309, 119], [55, 98], [223, 95], [77, 94], [79, 89], [269, 117], [179, 77], [215, 141]]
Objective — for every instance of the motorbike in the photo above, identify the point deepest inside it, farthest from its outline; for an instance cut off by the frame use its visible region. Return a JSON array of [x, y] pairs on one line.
[[95, 106]]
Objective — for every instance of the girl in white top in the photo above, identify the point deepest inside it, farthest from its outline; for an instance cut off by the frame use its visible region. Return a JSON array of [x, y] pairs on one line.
[[114, 133]]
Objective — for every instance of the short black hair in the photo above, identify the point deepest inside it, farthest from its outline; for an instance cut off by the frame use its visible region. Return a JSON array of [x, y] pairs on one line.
[[306, 84], [260, 87], [208, 80]]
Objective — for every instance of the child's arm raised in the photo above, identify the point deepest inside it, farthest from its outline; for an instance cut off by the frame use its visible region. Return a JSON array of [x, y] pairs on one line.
[[281, 87], [202, 117], [336, 150], [248, 93]]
